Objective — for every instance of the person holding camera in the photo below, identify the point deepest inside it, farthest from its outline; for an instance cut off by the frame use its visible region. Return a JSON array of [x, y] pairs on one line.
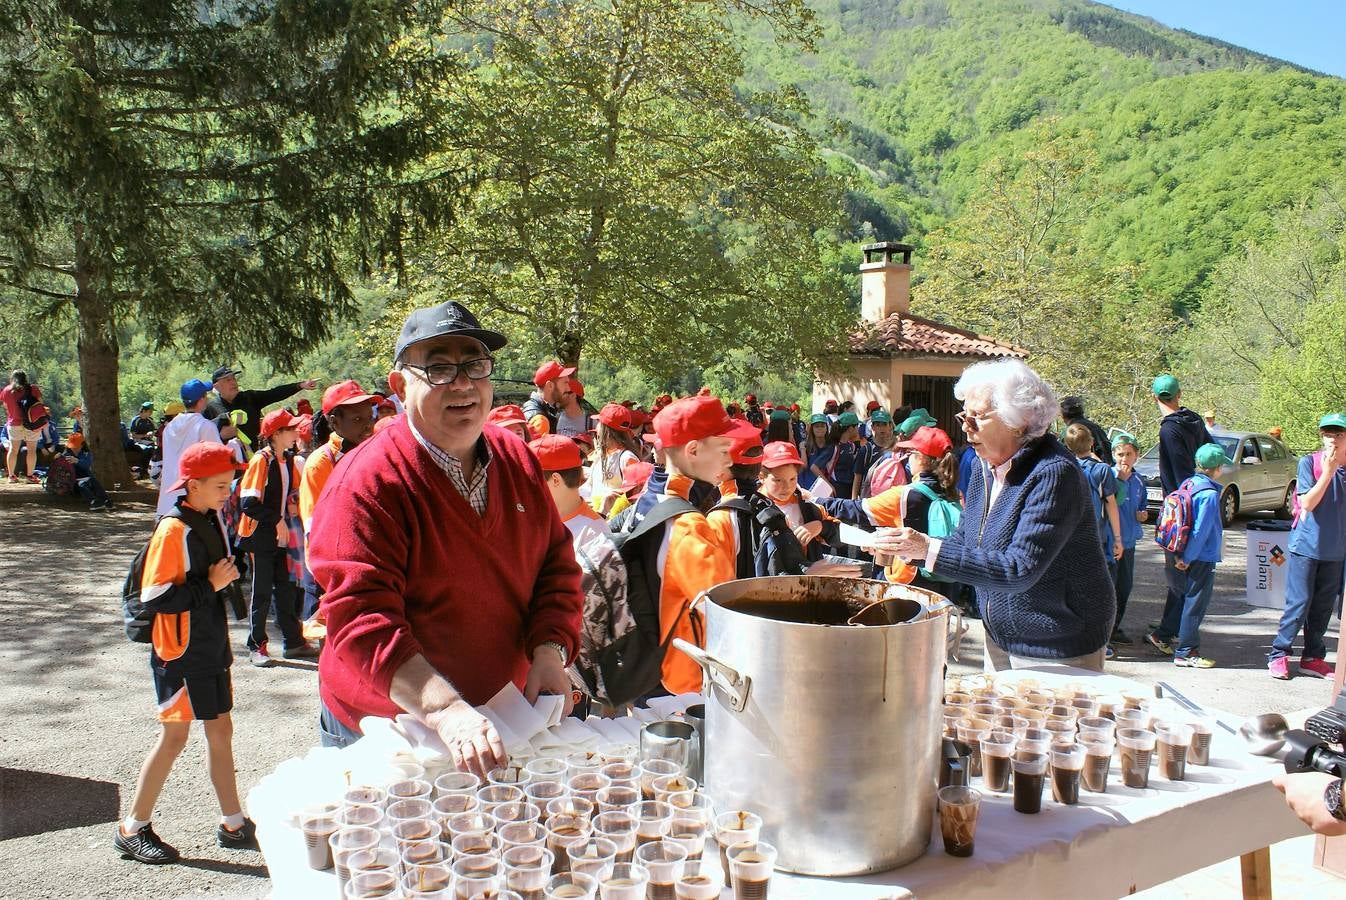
[[1316, 798]]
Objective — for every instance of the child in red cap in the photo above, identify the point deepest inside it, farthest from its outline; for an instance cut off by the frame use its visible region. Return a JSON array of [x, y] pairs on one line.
[[268, 487], [696, 435], [511, 418], [187, 565], [616, 446]]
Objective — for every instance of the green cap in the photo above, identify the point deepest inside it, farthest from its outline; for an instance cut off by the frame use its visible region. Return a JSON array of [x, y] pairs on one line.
[[780, 415], [880, 417], [819, 419], [1165, 387], [1124, 438], [848, 419], [917, 419], [1211, 456], [1333, 420]]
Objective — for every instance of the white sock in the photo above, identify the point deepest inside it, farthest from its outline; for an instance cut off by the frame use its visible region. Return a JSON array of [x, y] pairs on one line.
[[234, 822], [130, 825]]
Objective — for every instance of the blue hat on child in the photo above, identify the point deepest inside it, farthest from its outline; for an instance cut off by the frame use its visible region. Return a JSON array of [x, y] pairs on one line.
[[194, 390]]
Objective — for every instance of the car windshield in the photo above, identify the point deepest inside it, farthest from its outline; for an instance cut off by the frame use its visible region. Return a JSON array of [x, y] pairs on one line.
[[1228, 443]]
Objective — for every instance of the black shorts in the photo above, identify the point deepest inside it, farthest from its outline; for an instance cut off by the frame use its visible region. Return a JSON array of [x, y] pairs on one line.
[[184, 698]]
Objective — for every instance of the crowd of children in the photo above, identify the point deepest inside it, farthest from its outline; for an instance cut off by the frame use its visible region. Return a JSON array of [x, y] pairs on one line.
[[710, 492]]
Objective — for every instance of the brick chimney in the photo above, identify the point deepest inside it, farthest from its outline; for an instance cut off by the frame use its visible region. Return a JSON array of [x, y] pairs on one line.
[[885, 280]]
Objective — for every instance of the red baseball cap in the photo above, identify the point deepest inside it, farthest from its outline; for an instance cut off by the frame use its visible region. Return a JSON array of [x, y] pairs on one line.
[[780, 453], [556, 453], [614, 415], [698, 418], [509, 414], [550, 371], [749, 398], [276, 420], [341, 393], [873, 405], [746, 451], [635, 475], [576, 388], [794, 407], [202, 461], [929, 441]]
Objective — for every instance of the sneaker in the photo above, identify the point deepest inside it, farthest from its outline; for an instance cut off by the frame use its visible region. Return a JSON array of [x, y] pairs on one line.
[[1194, 662], [1162, 646], [1120, 637], [245, 838], [1108, 652], [144, 846], [13, 479], [100, 507], [33, 479], [260, 658], [300, 651], [1315, 668]]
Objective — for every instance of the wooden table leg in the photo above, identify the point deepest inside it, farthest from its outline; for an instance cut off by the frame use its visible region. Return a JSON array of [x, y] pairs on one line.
[[1256, 868]]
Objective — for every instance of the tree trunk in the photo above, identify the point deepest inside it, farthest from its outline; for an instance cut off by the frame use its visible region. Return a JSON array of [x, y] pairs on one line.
[[98, 370]]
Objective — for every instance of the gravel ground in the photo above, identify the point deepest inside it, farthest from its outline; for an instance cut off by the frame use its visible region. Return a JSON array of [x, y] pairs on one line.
[[78, 707]]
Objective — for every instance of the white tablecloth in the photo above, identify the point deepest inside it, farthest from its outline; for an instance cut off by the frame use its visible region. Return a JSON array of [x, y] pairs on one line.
[[1108, 846]]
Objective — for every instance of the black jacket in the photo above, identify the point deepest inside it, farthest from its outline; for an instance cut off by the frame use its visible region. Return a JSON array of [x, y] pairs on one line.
[[1180, 434], [252, 402]]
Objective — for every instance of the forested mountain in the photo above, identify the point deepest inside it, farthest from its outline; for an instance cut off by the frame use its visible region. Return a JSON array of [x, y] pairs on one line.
[[1198, 142]]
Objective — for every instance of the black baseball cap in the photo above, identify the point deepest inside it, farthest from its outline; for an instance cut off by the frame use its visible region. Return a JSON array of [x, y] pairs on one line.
[[445, 319], [224, 372]]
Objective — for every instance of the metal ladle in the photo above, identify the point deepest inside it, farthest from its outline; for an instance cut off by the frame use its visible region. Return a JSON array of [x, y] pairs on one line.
[[1264, 734]]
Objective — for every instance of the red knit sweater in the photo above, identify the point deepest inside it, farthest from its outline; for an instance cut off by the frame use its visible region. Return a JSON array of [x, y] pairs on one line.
[[407, 566]]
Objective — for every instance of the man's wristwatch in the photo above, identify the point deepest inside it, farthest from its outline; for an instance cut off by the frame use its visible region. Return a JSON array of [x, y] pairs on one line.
[[559, 648], [1332, 800]]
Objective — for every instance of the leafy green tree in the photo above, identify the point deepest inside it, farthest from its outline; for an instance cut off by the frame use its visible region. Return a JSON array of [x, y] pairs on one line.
[[1012, 266], [1265, 346], [628, 200], [197, 169]]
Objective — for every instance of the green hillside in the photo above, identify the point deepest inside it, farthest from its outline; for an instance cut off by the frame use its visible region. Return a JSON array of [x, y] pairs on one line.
[[1199, 142]]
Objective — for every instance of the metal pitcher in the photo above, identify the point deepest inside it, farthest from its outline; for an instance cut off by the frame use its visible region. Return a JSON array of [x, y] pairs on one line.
[[830, 732]]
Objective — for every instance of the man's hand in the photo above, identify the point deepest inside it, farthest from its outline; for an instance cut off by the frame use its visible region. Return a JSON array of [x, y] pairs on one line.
[[547, 675], [222, 573], [474, 744], [308, 385], [1304, 795], [1118, 551]]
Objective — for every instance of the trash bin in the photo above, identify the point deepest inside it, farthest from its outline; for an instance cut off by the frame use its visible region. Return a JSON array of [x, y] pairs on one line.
[[1268, 553]]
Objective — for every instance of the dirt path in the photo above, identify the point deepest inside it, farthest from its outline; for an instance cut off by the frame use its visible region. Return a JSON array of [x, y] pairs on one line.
[[78, 707]]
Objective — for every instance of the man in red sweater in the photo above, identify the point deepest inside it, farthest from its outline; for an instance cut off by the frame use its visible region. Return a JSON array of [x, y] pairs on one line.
[[445, 568]]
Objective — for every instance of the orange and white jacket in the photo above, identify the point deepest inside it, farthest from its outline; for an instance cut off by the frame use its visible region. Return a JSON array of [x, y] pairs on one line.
[[191, 633], [262, 495], [317, 469], [694, 556]]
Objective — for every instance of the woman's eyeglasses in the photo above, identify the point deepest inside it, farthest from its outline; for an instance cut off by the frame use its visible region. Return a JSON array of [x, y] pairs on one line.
[[973, 421], [440, 374]]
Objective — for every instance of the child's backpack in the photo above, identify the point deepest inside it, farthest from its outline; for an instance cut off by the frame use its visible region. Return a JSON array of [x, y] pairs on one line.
[[1296, 510], [62, 479], [607, 611], [887, 473], [942, 519], [32, 412], [1177, 516], [631, 664], [136, 620]]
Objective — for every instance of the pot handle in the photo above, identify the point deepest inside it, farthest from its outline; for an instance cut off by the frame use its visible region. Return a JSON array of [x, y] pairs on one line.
[[951, 641], [735, 685]]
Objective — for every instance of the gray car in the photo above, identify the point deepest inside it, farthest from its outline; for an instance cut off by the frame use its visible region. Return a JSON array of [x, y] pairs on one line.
[[1262, 477]]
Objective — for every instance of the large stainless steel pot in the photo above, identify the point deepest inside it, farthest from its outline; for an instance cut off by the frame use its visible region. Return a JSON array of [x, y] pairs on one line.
[[829, 732]]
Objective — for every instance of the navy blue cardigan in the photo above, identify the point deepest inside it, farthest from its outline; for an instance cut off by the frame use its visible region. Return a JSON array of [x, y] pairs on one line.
[[1036, 560]]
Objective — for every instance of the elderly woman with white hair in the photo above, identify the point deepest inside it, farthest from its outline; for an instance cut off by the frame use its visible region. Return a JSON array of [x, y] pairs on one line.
[[1028, 540]]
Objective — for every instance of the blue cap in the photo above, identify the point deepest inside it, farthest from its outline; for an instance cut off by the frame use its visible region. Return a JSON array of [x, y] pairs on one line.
[[194, 390]]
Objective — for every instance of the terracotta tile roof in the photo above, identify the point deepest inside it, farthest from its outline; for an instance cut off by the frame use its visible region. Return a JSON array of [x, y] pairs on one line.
[[905, 333]]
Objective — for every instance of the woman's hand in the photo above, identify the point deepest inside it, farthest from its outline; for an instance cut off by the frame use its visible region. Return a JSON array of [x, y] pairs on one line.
[[907, 543]]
